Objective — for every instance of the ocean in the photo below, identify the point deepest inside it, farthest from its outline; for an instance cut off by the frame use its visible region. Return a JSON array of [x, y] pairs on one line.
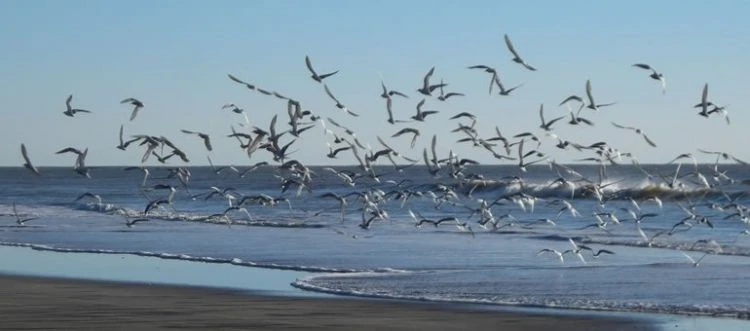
[[474, 258]]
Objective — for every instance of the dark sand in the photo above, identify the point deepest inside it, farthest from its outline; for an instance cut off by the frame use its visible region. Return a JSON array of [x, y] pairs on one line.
[[45, 303]]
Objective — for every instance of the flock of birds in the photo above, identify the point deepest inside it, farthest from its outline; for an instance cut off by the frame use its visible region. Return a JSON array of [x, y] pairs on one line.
[[523, 149]]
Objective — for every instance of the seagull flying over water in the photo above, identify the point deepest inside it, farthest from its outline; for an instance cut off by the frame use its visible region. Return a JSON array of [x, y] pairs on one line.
[[205, 137], [19, 219], [636, 130], [27, 162]]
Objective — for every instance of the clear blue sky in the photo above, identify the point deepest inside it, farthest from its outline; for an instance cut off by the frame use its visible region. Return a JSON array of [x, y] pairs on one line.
[[175, 55]]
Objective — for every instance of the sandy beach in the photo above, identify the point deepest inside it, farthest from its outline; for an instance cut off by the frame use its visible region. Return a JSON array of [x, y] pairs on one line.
[[52, 303]]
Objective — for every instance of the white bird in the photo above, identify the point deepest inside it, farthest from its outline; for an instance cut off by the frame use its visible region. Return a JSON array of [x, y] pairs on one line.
[[552, 251], [695, 262]]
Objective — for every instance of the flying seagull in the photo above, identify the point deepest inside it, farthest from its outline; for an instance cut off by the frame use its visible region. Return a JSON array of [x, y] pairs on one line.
[[426, 88], [315, 76], [516, 58], [205, 137], [547, 126], [592, 104], [19, 220], [704, 102], [637, 130], [654, 75], [237, 80], [339, 105], [72, 111], [137, 105], [27, 161]]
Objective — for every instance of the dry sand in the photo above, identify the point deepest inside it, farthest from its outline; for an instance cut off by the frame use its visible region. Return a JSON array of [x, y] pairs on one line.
[[44, 303]]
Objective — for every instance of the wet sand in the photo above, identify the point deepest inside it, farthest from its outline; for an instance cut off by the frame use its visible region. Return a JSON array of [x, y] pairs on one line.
[[52, 303]]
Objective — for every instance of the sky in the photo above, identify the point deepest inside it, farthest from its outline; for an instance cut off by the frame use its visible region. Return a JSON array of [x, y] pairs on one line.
[[175, 56]]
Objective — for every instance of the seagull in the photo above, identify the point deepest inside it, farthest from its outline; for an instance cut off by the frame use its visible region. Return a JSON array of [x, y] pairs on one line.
[[332, 152], [124, 144], [389, 93], [722, 110], [487, 69], [547, 126], [723, 155], [638, 131], [444, 96], [340, 199], [145, 172], [426, 88], [153, 204], [413, 131], [137, 105], [576, 250], [553, 251], [237, 80], [421, 115], [90, 195], [516, 58], [19, 220], [654, 75], [27, 161], [72, 111], [503, 91], [389, 108], [704, 102], [205, 137], [339, 105], [692, 260], [130, 223], [315, 76], [592, 104]]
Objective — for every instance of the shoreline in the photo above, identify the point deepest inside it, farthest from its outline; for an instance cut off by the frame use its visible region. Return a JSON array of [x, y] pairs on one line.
[[44, 302], [99, 275]]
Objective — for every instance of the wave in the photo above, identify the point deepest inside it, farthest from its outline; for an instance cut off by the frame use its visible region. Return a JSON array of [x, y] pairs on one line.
[[191, 258], [738, 312], [112, 209], [703, 246], [613, 190]]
